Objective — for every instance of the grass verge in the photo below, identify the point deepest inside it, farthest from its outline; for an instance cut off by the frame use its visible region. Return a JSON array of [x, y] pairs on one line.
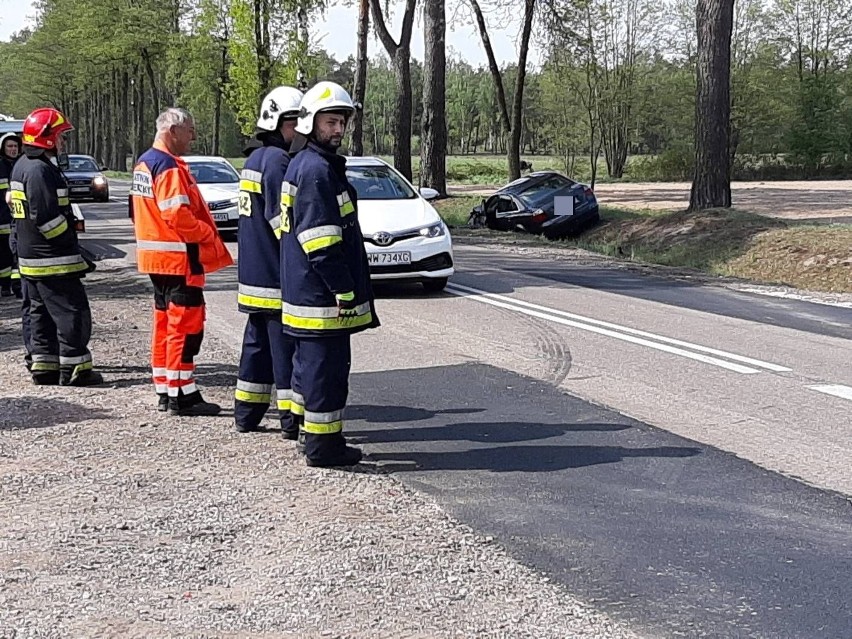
[[118, 175], [727, 242]]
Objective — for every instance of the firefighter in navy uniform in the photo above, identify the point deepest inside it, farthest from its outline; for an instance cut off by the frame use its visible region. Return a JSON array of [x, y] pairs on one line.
[[325, 276], [267, 353], [10, 279], [49, 256]]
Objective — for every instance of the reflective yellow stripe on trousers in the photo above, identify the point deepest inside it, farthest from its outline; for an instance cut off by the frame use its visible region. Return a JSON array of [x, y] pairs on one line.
[[323, 423], [253, 393]]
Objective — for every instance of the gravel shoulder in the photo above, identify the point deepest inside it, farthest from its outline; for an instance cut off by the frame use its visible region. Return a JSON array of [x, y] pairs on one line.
[[116, 521]]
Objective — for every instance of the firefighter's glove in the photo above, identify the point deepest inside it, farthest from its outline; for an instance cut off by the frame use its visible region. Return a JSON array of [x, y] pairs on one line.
[[346, 306]]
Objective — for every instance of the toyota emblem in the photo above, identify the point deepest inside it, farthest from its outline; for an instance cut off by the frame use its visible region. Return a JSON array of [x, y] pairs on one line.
[[383, 238]]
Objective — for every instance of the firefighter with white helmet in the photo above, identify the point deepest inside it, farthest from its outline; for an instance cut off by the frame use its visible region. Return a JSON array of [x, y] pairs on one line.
[[266, 362], [325, 281]]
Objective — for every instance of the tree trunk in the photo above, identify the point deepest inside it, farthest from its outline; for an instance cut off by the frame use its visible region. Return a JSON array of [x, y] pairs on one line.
[[217, 105], [511, 125], [433, 145], [400, 54], [361, 77], [514, 152], [402, 113], [142, 135], [149, 69], [711, 186], [261, 43]]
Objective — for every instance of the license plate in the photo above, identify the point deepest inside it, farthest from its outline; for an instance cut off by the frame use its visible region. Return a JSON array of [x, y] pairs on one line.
[[380, 259], [79, 189], [220, 217]]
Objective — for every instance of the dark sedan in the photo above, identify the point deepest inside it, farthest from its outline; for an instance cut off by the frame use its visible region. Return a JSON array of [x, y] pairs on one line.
[[545, 202], [85, 179]]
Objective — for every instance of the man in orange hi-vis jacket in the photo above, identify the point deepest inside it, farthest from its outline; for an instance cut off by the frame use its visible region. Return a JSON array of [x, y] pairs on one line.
[[177, 244]]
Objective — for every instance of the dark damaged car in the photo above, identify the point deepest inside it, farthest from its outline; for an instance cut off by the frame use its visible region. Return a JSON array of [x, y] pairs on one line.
[[545, 203]]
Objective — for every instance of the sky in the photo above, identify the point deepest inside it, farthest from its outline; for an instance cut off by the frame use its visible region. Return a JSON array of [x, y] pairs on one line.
[[337, 33]]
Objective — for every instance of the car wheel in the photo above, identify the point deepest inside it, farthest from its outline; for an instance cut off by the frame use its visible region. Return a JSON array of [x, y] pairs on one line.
[[435, 286], [103, 198]]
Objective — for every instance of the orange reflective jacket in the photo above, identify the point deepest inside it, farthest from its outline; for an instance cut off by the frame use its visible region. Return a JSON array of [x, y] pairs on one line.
[[175, 233]]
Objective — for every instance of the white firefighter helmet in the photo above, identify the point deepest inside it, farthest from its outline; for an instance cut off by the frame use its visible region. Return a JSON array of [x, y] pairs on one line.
[[280, 101], [324, 96]]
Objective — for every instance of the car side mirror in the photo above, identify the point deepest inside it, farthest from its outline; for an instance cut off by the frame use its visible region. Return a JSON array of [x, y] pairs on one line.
[[104, 167], [428, 194]]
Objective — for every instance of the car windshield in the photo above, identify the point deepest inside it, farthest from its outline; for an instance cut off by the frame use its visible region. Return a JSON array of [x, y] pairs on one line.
[[213, 173], [81, 164], [541, 194], [378, 183]]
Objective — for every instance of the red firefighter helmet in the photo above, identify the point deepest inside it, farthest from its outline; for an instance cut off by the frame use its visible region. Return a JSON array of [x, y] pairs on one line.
[[44, 126]]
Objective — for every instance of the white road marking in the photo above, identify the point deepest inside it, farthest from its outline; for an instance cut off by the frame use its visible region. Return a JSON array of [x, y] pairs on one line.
[[616, 331], [624, 329], [838, 390]]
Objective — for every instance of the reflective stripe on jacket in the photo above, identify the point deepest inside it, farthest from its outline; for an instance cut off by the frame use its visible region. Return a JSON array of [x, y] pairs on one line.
[[260, 230], [322, 250], [46, 236], [175, 233]]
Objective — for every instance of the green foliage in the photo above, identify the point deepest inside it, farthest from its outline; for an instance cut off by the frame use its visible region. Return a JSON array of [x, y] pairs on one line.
[[819, 129], [791, 95]]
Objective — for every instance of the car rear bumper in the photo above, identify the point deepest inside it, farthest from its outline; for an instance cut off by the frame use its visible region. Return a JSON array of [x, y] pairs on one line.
[[566, 225]]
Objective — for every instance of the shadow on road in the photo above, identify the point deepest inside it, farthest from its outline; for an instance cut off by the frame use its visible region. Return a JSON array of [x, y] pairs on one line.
[[484, 432], [529, 459], [394, 414]]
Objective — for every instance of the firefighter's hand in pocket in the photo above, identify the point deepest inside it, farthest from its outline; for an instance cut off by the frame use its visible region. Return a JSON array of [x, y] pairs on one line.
[[346, 306]]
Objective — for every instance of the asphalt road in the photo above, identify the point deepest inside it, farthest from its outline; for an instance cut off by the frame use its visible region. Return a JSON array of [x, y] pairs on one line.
[[678, 455]]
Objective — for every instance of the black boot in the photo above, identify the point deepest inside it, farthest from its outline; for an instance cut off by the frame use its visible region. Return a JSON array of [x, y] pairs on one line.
[[46, 378], [349, 456], [242, 427], [297, 433], [192, 405], [162, 402], [86, 377], [327, 451], [289, 426]]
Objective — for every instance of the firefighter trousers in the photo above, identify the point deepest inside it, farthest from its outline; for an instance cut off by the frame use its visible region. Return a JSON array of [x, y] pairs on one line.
[[60, 329], [266, 361], [320, 390], [176, 337], [26, 326]]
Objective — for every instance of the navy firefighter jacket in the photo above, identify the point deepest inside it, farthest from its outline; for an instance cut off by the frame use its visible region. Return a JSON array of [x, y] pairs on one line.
[[260, 230], [322, 250]]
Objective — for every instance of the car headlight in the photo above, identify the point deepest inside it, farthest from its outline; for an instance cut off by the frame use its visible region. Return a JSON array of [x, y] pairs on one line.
[[100, 180], [433, 230]]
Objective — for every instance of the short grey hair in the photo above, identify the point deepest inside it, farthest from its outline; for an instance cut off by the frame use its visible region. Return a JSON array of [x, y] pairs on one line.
[[173, 116]]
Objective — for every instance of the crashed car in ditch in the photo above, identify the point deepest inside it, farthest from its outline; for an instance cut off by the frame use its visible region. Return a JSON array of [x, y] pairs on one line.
[[545, 203]]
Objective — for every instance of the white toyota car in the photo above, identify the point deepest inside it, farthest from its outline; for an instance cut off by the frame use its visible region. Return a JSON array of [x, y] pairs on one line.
[[405, 237], [219, 184]]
